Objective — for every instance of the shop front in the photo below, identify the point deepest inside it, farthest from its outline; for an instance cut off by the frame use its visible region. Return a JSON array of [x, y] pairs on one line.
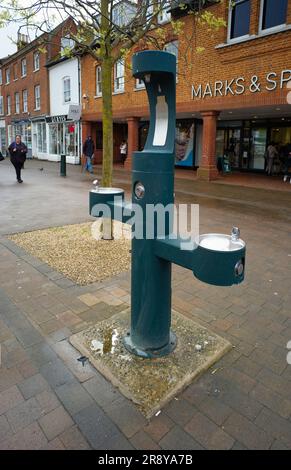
[[187, 142], [244, 143], [39, 139], [63, 138], [3, 143], [22, 128]]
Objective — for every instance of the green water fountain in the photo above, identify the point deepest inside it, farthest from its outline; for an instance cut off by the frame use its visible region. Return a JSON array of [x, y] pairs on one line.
[[215, 259]]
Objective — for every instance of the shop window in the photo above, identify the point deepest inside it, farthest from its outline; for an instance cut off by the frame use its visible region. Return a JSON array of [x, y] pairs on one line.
[[36, 61], [98, 81], [37, 97], [41, 137], [24, 101], [7, 73], [67, 89], [239, 19], [63, 138], [8, 105], [119, 76], [273, 13], [17, 103], [1, 105], [54, 140], [23, 68]]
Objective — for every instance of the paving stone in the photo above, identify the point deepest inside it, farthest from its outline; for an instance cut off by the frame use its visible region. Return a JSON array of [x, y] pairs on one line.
[[50, 326], [98, 429], [275, 382], [102, 391], [68, 318], [55, 422], [23, 414], [89, 299], [64, 283], [126, 416], [27, 369], [30, 438], [178, 439], [70, 357], [159, 426], [10, 398], [56, 373], [72, 439], [180, 411], [9, 377], [142, 441], [208, 434], [41, 354], [60, 335], [241, 402], [272, 400], [248, 366], [48, 401], [246, 432], [238, 446], [55, 444], [241, 380], [74, 397], [28, 337], [33, 385], [275, 426], [277, 445], [5, 429], [215, 409]]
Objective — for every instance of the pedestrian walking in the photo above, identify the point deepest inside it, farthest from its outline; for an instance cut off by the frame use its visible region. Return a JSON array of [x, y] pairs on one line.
[[123, 150], [88, 151], [17, 151], [271, 154]]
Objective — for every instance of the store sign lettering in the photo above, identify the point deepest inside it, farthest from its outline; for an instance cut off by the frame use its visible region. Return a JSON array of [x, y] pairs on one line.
[[62, 118], [238, 86]]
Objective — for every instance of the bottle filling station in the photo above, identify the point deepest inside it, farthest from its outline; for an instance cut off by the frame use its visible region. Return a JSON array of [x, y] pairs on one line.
[[216, 259]]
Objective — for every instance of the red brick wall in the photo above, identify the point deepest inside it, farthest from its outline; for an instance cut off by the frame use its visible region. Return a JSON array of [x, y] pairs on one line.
[[26, 83], [255, 57]]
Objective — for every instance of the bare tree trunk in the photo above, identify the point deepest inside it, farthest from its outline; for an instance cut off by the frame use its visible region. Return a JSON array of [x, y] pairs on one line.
[[107, 124]]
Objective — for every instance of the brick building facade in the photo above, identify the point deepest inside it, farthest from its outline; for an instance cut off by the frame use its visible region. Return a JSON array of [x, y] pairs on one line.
[[25, 90], [231, 89]]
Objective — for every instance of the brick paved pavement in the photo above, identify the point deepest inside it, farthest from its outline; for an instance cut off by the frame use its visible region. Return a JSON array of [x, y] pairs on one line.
[[49, 401]]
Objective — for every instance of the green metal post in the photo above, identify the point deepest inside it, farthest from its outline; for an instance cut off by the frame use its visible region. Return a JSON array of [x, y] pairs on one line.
[[153, 169], [63, 166]]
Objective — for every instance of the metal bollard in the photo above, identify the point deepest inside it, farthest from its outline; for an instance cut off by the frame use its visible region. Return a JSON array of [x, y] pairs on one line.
[[63, 168]]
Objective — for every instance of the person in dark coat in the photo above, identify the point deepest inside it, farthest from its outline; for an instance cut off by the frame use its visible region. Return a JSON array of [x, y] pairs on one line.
[[17, 151], [88, 151]]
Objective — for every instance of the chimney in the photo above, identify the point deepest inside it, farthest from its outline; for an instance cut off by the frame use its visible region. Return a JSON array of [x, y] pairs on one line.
[[22, 40]]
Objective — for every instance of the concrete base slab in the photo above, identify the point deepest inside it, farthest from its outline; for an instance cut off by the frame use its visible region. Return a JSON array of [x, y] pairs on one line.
[[150, 383]]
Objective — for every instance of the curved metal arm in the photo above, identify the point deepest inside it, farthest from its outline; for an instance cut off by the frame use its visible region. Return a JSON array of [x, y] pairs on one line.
[[158, 71]]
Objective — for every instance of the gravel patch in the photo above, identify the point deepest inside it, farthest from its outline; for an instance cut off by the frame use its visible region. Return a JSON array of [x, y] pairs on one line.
[[74, 252]]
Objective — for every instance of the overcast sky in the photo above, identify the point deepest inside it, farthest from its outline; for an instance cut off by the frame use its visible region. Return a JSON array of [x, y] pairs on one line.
[[6, 46]]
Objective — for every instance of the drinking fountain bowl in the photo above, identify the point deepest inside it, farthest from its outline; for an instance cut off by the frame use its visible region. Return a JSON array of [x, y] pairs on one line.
[[220, 259], [103, 195]]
